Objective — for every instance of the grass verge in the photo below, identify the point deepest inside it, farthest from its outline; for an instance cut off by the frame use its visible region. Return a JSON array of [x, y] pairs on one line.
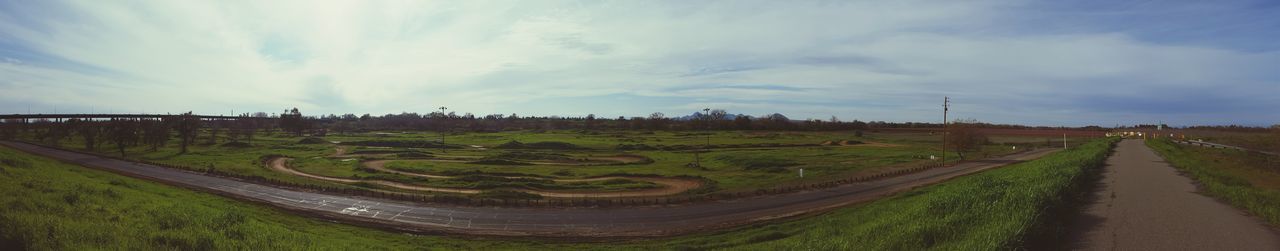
[[51, 205]]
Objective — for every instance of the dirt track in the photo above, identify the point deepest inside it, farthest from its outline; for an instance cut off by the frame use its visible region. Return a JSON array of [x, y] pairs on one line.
[[670, 186], [1144, 204]]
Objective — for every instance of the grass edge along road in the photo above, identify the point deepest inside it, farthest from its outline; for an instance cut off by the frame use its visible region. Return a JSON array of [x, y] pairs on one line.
[[1220, 173], [51, 205]]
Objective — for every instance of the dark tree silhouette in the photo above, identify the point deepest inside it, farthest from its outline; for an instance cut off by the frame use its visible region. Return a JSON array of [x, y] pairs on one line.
[[293, 122], [233, 131], [187, 125], [247, 128], [88, 131], [214, 127], [155, 133], [965, 137], [657, 121], [1275, 137], [124, 133], [742, 123], [590, 122]]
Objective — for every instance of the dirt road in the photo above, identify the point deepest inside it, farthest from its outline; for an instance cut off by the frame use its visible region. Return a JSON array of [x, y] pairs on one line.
[[1144, 204]]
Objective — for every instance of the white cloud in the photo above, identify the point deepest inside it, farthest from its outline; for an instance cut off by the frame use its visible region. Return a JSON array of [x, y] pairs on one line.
[[850, 59]]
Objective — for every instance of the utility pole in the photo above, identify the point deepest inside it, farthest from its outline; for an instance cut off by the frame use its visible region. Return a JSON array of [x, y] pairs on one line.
[[707, 114], [1064, 141], [946, 106], [442, 128]]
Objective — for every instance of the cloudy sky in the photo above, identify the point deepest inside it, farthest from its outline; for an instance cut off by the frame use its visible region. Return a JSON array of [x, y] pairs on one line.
[[1029, 62]]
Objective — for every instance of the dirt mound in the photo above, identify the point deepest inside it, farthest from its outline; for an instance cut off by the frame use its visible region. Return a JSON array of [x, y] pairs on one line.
[[312, 140], [499, 162], [521, 155], [635, 147], [402, 143], [850, 142], [554, 145], [409, 155], [625, 159]]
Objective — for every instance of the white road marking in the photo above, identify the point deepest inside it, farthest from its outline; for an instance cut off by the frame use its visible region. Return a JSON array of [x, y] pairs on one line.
[[402, 212]]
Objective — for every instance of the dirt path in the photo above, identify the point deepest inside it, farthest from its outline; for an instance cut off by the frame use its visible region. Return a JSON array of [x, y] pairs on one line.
[[1144, 204], [281, 165], [669, 186]]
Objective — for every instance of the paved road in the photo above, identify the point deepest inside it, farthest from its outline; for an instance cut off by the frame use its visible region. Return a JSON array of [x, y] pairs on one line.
[[611, 222], [1144, 204]]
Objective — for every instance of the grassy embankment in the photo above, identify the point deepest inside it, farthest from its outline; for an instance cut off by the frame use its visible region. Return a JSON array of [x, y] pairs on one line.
[[1245, 180], [51, 205]]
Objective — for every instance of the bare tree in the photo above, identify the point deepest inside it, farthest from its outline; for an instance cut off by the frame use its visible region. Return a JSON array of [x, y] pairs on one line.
[[590, 122], [233, 131], [657, 121], [187, 125], [965, 136], [155, 133], [742, 122], [719, 118], [88, 131], [214, 127], [124, 132], [248, 127]]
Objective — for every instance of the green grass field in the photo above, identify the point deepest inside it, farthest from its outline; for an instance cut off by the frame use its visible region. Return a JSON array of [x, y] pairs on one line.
[[1245, 180], [737, 160], [54, 206]]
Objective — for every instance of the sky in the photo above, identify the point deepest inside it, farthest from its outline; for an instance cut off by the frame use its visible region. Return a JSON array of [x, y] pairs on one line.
[[1069, 63]]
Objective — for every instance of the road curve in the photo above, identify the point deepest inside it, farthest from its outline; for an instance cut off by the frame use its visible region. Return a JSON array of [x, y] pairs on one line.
[[545, 222], [1144, 204]]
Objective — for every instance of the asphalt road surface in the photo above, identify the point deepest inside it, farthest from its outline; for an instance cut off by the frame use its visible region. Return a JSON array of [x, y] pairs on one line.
[[1144, 204], [547, 222]]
